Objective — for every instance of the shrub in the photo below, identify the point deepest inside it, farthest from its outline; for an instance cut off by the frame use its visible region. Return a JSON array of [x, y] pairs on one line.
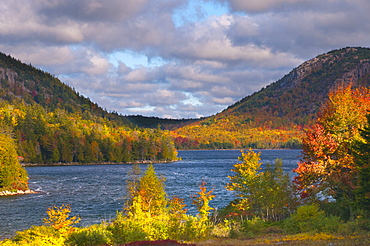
[[254, 226], [224, 228], [92, 235], [309, 218], [125, 230], [360, 225], [36, 236]]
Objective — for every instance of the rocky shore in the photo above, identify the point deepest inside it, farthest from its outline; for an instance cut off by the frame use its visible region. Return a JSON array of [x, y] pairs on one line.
[[18, 192]]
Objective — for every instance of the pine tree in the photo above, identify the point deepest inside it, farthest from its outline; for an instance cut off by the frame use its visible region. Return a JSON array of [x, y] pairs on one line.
[[362, 150]]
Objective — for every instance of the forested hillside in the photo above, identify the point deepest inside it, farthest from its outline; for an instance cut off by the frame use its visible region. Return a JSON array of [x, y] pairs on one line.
[[32, 85], [51, 123], [275, 116]]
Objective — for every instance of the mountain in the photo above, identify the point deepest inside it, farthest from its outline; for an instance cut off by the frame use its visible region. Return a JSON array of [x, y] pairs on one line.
[[275, 116]]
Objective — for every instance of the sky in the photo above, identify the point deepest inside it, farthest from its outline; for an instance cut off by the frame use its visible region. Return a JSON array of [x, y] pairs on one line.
[[176, 58]]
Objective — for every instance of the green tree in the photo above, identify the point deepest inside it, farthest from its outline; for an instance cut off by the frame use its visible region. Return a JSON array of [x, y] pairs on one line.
[[12, 175], [277, 197], [362, 150]]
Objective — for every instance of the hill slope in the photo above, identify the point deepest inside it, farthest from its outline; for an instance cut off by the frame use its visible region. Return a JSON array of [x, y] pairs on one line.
[[32, 85], [274, 116]]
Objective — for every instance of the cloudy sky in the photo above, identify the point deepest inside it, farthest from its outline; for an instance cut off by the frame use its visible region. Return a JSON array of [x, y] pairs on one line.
[[176, 58]]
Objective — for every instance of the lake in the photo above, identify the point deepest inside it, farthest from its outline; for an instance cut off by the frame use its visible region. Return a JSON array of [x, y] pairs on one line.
[[96, 192]]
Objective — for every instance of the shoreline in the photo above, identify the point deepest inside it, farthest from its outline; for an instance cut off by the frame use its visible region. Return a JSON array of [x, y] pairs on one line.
[[18, 192], [92, 163]]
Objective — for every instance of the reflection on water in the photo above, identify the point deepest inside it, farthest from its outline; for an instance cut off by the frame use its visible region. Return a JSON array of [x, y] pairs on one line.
[[96, 192]]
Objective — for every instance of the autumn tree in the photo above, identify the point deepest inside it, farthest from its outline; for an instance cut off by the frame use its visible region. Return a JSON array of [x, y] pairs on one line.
[[149, 189], [132, 186], [328, 166], [201, 199], [59, 218], [244, 181]]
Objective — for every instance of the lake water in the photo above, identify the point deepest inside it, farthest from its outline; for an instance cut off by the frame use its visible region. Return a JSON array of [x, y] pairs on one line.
[[96, 192]]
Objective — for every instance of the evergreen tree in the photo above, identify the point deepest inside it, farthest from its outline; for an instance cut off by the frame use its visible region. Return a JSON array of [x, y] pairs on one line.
[[362, 150]]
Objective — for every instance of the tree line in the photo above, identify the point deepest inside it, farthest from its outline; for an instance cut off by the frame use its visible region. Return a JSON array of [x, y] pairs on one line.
[[59, 136]]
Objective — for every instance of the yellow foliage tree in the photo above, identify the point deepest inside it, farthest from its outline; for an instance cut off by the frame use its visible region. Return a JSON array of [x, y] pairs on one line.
[[58, 218]]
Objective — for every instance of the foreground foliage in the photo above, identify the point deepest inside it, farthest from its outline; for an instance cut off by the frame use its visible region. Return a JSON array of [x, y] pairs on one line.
[[150, 215]]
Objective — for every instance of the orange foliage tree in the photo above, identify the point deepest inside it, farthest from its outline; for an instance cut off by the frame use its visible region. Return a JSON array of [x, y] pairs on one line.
[[327, 166]]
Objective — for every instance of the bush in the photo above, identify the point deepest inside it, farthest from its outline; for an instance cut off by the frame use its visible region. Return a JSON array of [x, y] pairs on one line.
[[254, 226], [309, 218], [125, 230], [224, 228], [36, 236], [360, 225], [92, 235]]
